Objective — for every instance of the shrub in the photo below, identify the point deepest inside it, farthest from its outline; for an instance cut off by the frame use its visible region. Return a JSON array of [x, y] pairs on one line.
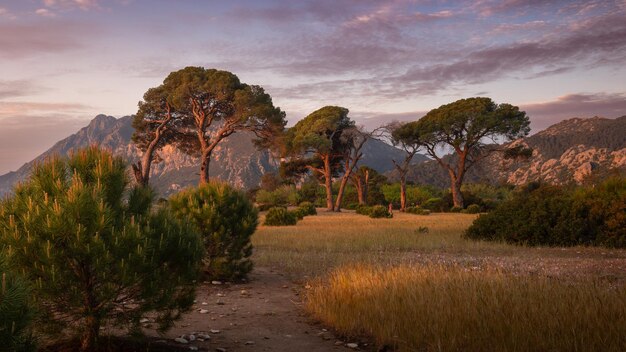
[[16, 313], [456, 209], [473, 209], [417, 211], [89, 253], [280, 197], [363, 209], [299, 213], [379, 211], [414, 194], [308, 208], [226, 220], [435, 205], [554, 216], [351, 206], [279, 216]]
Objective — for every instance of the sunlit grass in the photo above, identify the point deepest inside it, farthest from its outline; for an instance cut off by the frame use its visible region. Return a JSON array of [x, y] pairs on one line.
[[435, 308], [438, 291], [320, 243]]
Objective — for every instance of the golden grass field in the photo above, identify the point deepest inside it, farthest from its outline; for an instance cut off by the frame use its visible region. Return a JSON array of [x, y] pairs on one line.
[[436, 291]]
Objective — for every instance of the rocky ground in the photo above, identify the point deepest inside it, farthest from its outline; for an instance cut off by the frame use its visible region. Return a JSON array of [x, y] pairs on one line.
[[264, 314]]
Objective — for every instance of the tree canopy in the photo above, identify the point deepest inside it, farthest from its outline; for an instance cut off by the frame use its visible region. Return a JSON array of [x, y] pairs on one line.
[[207, 106], [315, 143], [466, 126]]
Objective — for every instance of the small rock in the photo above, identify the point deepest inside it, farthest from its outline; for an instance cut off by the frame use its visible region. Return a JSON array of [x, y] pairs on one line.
[[215, 282], [144, 320], [203, 311], [192, 337], [338, 343], [266, 337], [220, 295], [204, 303], [219, 303], [204, 336], [352, 345], [285, 286], [193, 348], [244, 293], [181, 340], [249, 343], [214, 331]]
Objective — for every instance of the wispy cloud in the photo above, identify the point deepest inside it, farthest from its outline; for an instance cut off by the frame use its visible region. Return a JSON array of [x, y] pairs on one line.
[[45, 12], [68, 4], [18, 88], [19, 40]]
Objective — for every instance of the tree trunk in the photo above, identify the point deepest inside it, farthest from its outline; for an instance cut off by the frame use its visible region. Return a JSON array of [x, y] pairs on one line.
[[90, 336], [204, 167], [141, 169], [358, 184], [366, 186], [342, 186], [329, 184], [457, 196], [403, 193]]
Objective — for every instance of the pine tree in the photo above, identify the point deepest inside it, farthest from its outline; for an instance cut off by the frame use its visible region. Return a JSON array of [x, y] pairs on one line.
[[15, 312], [227, 219], [95, 253]]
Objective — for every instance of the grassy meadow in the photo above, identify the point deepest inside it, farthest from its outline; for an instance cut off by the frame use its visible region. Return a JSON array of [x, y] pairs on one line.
[[434, 290]]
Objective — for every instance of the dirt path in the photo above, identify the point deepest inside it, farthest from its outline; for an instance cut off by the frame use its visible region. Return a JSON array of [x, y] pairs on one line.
[[262, 315]]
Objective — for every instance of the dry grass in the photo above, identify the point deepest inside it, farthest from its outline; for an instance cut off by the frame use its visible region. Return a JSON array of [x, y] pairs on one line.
[[456, 309], [438, 291], [320, 243]]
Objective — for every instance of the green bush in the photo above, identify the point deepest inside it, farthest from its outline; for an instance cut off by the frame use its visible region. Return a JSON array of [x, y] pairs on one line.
[[417, 211], [16, 313], [379, 211], [88, 247], [279, 216], [555, 216], [414, 194], [456, 209], [363, 209], [299, 213], [435, 205], [473, 209], [226, 219], [280, 197], [308, 208]]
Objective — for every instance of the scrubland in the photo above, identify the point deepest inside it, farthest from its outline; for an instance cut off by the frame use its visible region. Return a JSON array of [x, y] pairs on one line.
[[414, 283]]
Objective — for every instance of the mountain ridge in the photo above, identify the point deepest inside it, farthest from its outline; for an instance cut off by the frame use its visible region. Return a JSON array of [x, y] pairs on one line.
[[235, 159], [566, 152]]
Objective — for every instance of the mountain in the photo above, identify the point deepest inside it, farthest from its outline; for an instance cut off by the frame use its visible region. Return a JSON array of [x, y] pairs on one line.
[[566, 152], [236, 159]]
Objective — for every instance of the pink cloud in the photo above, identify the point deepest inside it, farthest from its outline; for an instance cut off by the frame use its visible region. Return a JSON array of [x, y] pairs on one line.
[[19, 40], [68, 4]]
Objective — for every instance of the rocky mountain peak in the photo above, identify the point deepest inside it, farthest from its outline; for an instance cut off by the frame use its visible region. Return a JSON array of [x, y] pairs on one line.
[[235, 160]]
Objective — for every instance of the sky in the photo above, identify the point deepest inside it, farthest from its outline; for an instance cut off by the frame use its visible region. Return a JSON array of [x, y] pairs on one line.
[[64, 61]]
